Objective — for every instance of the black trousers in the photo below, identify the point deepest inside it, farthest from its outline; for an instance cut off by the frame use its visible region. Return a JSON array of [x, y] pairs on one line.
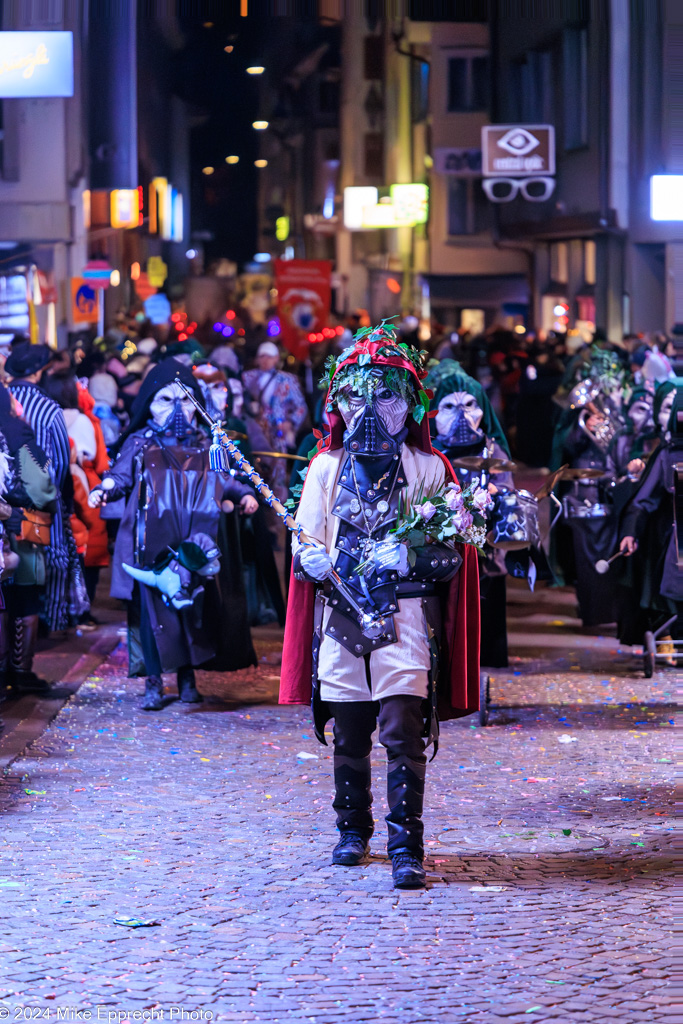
[[400, 727]]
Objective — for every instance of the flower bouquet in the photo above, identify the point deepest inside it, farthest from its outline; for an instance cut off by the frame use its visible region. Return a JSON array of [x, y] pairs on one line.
[[451, 516]]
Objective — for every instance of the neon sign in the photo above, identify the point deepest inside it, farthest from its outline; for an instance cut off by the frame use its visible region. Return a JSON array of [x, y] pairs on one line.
[[405, 206], [36, 64]]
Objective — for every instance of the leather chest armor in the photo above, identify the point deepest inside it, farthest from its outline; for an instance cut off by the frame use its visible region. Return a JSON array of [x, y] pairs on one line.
[[380, 483]]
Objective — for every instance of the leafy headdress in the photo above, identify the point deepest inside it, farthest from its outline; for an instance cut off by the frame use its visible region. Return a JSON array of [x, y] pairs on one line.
[[402, 368]]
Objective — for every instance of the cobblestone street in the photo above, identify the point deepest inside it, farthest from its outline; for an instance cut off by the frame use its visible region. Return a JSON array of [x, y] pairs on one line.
[[549, 875]]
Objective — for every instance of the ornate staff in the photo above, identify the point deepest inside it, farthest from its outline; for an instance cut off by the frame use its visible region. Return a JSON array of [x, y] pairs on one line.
[[373, 626]]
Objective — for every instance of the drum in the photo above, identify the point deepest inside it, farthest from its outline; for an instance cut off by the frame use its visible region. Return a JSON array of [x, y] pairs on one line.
[[514, 522], [574, 509]]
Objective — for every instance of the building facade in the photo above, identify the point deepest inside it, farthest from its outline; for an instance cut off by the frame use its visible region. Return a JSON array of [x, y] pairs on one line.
[[79, 173]]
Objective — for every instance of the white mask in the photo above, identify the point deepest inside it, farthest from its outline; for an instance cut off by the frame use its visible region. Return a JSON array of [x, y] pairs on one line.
[[163, 405], [665, 411], [457, 404], [237, 392]]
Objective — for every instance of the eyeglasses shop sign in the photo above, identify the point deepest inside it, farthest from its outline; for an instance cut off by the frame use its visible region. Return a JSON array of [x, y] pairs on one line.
[[517, 150], [36, 64]]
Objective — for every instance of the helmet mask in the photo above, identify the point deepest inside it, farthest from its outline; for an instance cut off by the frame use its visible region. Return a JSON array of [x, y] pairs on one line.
[[375, 424]]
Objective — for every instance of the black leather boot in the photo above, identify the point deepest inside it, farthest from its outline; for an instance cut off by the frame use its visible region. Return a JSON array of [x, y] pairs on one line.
[[153, 699], [353, 803], [405, 796], [187, 687], [23, 649]]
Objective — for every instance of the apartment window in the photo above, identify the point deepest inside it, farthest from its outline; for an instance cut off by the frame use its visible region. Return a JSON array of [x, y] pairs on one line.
[[419, 91], [374, 155], [534, 88], [589, 262], [468, 83], [469, 212], [559, 262], [329, 96], [374, 57], [575, 87]]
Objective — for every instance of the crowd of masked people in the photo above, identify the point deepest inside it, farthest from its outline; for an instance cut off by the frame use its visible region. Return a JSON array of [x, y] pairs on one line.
[[67, 421], [104, 462]]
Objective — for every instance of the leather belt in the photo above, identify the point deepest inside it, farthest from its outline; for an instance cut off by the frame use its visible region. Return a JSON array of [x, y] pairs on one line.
[[416, 590]]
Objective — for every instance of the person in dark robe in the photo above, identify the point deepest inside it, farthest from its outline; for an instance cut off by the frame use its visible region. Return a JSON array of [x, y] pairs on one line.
[[651, 530], [176, 560], [466, 425], [262, 582]]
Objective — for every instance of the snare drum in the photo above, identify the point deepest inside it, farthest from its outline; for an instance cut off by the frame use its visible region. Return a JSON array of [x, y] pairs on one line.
[[514, 522]]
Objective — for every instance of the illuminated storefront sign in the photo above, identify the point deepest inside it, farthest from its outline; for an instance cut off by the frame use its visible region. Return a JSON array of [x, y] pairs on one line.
[[404, 207], [125, 208], [666, 197], [165, 210], [36, 64]]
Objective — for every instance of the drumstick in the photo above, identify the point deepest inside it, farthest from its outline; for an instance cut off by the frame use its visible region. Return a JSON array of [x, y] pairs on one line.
[[603, 564]]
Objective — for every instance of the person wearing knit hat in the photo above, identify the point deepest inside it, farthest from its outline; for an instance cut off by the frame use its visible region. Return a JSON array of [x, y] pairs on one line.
[[374, 493]]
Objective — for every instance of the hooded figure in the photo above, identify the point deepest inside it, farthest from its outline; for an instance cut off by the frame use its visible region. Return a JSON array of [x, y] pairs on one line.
[[652, 530], [176, 560], [378, 459], [465, 426]]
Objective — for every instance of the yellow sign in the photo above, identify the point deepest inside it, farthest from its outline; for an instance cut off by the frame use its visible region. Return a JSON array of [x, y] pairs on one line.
[[124, 208], [165, 210], [404, 207], [282, 229], [85, 301], [157, 271]]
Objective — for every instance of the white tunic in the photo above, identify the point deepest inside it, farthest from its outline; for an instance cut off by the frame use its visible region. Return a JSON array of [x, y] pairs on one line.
[[400, 668]]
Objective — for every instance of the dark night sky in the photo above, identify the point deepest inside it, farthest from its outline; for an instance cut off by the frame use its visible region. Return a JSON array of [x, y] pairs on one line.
[[216, 84]]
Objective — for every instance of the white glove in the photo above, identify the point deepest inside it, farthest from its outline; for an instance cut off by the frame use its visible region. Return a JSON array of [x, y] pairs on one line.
[[96, 498], [391, 554], [315, 562]]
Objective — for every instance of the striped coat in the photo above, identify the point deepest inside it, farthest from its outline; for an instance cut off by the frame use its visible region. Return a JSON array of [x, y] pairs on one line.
[[64, 584]]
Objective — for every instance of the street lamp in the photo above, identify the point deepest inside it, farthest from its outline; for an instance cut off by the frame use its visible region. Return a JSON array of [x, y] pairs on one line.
[[259, 125], [207, 170], [255, 70], [260, 163], [232, 159]]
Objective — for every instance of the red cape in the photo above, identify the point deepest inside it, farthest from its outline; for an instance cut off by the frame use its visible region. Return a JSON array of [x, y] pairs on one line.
[[459, 666]]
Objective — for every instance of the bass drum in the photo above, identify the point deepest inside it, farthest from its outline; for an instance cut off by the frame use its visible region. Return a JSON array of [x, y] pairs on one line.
[[514, 522]]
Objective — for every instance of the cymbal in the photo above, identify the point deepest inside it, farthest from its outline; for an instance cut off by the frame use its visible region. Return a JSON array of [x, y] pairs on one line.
[[477, 462], [582, 473], [550, 482]]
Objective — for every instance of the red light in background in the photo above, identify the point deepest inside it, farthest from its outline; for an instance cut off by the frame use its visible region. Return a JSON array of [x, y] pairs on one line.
[[241, 332], [339, 330], [393, 286], [311, 337], [182, 337], [230, 315]]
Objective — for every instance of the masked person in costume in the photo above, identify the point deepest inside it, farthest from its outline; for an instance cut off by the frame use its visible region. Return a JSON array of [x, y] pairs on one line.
[[466, 426], [176, 560], [377, 461], [647, 520], [262, 581], [639, 438], [653, 522]]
